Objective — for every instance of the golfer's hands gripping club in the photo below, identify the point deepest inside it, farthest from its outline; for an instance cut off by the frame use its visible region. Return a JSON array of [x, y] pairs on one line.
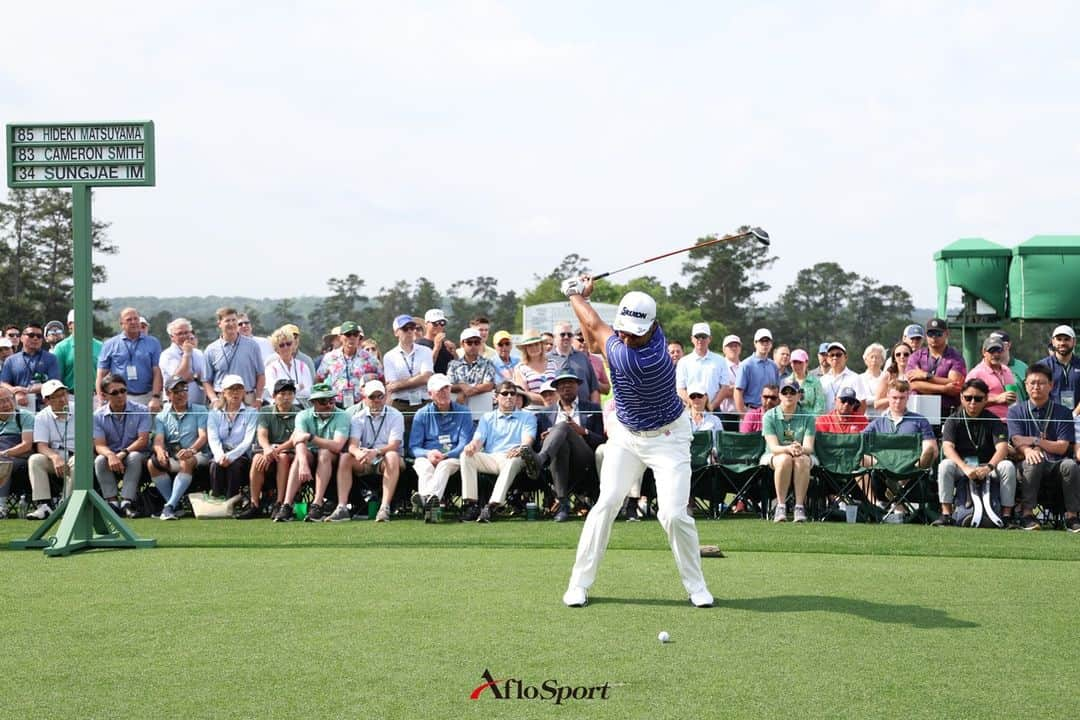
[[582, 286]]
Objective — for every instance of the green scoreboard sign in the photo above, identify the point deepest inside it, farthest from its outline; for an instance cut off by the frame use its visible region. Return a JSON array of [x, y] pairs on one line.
[[98, 154]]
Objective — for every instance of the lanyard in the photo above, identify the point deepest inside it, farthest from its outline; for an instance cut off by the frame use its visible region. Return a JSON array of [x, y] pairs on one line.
[[409, 363], [36, 367], [63, 435], [179, 426], [967, 429], [375, 431], [289, 369], [225, 353], [1045, 422], [130, 350], [225, 416], [1064, 375]]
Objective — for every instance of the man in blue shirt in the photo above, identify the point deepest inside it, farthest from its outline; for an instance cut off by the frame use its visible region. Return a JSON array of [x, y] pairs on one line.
[[25, 371], [1065, 369], [179, 445], [233, 354], [1043, 431], [121, 437], [438, 435], [755, 372], [499, 445], [651, 429], [134, 357]]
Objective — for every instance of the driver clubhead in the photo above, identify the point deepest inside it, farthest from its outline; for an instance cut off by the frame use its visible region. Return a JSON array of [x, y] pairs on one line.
[[760, 235]]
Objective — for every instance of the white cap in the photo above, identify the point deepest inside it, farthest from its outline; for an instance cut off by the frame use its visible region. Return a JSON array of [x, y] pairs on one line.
[[437, 382], [636, 313], [697, 389], [762, 333], [229, 380], [469, 332], [51, 386], [1063, 330], [546, 386], [6, 342], [838, 345], [700, 329], [728, 339], [434, 315], [144, 321], [71, 316], [373, 386]]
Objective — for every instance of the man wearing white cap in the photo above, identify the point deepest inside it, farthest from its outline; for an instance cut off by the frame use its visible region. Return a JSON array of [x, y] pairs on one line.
[[651, 429], [755, 373], [840, 376], [732, 349], [439, 433], [376, 436], [704, 367], [54, 441], [472, 375], [434, 337], [1066, 368]]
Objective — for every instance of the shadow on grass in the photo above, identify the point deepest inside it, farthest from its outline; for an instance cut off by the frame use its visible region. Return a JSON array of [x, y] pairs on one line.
[[655, 602], [914, 615]]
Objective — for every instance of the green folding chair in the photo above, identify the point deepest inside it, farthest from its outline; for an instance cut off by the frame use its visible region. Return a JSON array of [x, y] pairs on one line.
[[839, 457], [895, 457], [740, 470], [703, 485]]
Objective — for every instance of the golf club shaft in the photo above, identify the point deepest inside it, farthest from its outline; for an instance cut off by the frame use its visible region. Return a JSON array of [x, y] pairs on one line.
[[725, 238]]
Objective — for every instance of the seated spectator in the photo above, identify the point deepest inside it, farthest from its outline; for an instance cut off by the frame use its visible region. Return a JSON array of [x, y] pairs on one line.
[[789, 443], [472, 375], [179, 445], [751, 421], [376, 438], [501, 444], [505, 358], [442, 349], [1042, 431], [16, 445], [700, 417], [231, 431], [284, 364], [975, 445], [54, 442], [937, 368], [895, 369], [347, 368], [320, 435], [24, 372], [233, 355], [812, 396], [996, 377], [533, 369], [569, 431], [134, 356], [183, 359], [841, 376], [846, 416], [274, 449], [121, 441], [439, 433], [899, 420]]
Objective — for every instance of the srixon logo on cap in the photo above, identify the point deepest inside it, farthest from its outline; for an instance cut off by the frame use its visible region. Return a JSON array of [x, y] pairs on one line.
[[633, 313]]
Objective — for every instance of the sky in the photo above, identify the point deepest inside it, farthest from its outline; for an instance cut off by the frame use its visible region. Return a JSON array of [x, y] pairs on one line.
[[298, 142]]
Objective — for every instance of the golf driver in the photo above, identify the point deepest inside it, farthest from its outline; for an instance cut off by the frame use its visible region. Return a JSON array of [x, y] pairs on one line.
[[755, 232]]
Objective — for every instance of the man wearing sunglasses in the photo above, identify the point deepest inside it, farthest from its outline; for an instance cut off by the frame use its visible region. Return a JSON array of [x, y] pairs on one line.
[[506, 358], [347, 368], [408, 368], [321, 433], [25, 371], [563, 356], [751, 421], [121, 440], [704, 367], [840, 377], [16, 445], [975, 446], [501, 444], [846, 416], [443, 350], [472, 375], [937, 368]]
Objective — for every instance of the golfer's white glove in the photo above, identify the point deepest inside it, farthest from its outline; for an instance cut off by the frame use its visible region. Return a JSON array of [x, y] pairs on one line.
[[571, 287]]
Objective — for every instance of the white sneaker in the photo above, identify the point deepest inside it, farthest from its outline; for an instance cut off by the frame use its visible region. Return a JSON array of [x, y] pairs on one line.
[[575, 597], [780, 515], [43, 511], [702, 599], [167, 513], [893, 517], [383, 515], [340, 514], [800, 514]]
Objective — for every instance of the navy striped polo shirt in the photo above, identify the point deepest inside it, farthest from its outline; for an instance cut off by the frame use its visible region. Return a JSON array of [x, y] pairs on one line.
[[644, 383]]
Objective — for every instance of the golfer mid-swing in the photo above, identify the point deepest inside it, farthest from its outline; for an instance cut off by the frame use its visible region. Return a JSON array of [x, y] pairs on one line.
[[651, 429]]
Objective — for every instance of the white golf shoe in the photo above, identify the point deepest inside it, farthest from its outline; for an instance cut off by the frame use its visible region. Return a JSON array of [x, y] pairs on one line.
[[575, 597]]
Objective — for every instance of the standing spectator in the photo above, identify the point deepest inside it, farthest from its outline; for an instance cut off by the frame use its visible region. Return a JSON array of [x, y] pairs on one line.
[[564, 357], [243, 322], [184, 360], [789, 443], [1065, 367], [733, 356], [1042, 430], [533, 370], [895, 369], [25, 371], [230, 355], [937, 368], [231, 431], [285, 365], [16, 444], [1015, 364], [705, 368], [755, 373], [823, 361], [179, 446], [12, 333], [781, 355], [134, 357], [675, 351], [996, 377], [841, 376], [408, 367], [65, 354], [347, 368], [914, 335], [121, 441], [603, 384], [874, 376], [6, 349], [813, 397], [299, 354], [505, 358], [54, 333], [483, 326], [472, 375], [434, 337]]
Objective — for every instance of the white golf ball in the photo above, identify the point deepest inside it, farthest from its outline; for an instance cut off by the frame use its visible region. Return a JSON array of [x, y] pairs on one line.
[[663, 636]]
